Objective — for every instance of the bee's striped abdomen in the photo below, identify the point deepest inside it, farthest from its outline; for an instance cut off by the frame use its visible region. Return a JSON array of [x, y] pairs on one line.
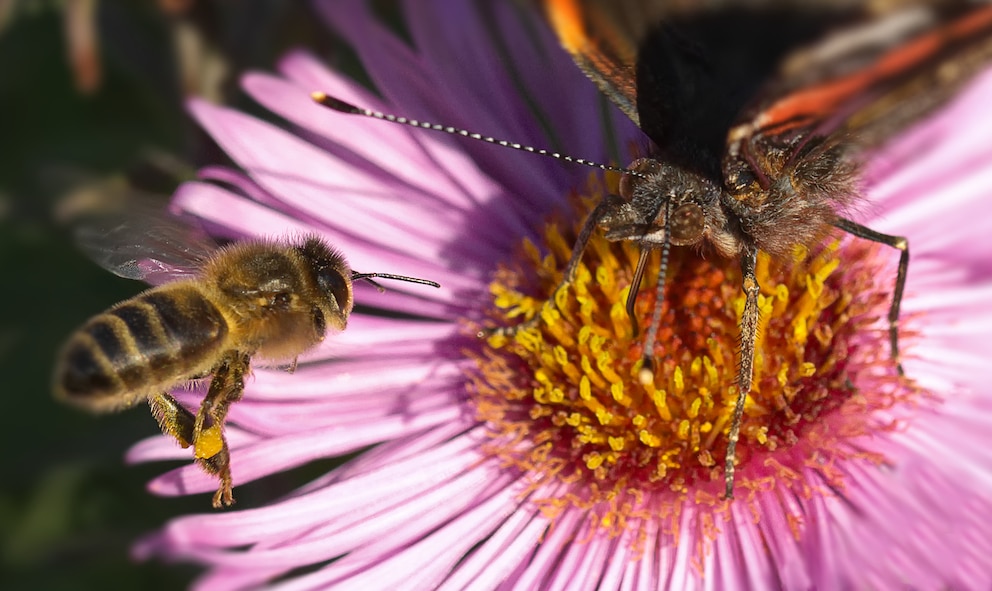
[[153, 340]]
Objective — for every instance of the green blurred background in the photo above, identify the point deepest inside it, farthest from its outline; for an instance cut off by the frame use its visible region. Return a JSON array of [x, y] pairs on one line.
[[92, 92]]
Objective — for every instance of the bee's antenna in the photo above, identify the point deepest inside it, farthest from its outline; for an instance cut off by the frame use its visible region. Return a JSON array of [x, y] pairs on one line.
[[344, 107], [355, 276]]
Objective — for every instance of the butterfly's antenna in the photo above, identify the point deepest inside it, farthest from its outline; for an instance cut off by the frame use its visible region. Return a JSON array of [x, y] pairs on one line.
[[646, 375], [355, 276], [344, 107]]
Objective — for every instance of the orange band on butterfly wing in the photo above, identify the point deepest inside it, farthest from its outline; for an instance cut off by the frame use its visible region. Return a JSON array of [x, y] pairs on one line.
[[605, 53], [566, 19], [797, 108]]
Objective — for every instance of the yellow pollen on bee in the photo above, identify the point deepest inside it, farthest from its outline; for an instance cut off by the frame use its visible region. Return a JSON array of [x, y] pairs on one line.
[[208, 443]]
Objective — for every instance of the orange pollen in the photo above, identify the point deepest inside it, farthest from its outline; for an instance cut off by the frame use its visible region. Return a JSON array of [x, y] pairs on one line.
[[563, 402]]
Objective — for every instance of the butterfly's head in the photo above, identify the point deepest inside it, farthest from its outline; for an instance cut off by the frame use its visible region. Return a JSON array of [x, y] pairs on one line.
[[659, 203]]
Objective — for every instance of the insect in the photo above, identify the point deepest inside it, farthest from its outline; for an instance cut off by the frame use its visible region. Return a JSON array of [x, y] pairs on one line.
[[255, 299], [759, 113]]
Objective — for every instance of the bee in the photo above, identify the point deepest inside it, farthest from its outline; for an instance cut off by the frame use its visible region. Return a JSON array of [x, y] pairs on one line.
[[255, 299]]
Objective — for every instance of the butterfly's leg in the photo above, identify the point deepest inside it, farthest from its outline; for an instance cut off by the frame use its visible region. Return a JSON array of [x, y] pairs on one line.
[[745, 372], [902, 245], [209, 444], [605, 206]]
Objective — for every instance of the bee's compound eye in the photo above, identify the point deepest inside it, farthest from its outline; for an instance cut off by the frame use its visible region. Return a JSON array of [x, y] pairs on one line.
[[331, 281]]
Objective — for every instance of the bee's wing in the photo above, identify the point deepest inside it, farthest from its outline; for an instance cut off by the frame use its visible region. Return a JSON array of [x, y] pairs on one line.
[[144, 241]]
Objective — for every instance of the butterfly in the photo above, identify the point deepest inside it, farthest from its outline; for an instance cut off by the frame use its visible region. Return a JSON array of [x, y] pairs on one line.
[[759, 112]]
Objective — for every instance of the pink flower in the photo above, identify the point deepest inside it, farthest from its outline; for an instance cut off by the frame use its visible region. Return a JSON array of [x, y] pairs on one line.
[[890, 487]]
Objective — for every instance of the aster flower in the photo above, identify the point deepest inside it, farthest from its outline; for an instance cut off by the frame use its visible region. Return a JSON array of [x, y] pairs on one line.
[[539, 461]]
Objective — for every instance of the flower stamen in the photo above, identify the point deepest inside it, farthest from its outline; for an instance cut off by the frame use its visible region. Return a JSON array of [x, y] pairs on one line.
[[563, 400]]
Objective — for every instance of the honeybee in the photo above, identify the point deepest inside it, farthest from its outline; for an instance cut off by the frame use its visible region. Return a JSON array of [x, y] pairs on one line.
[[256, 299]]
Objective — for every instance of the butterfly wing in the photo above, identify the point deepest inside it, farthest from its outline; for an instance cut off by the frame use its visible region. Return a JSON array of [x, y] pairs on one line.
[[858, 86], [684, 71], [603, 39], [699, 78]]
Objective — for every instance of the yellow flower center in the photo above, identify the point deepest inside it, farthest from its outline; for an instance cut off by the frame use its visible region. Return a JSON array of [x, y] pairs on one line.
[[563, 401]]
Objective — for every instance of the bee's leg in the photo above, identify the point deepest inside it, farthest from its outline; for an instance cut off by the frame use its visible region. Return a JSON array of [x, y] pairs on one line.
[[209, 444], [173, 418], [606, 205], [745, 373], [901, 244], [219, 465]]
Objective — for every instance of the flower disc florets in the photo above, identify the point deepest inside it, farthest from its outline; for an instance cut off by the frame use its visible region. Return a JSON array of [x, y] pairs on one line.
[[564, 402]]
